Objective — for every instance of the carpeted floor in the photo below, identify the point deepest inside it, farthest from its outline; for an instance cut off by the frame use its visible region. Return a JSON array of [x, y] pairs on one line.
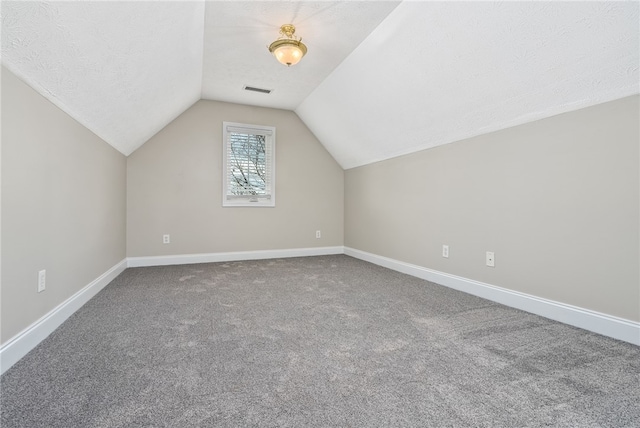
[[314, 342]]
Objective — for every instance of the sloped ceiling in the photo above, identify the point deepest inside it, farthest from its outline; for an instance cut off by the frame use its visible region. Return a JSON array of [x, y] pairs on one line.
[[381, 78], [126, 69], [434, 72], [122, 69]]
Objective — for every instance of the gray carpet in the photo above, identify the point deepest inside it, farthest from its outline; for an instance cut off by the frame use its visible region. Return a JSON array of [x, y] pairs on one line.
[[314, 342]]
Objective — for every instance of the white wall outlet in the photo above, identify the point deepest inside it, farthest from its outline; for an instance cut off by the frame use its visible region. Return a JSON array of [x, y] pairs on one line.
[[491, 259], [166, 239], [318, 234], [42, 280], [445, 251]]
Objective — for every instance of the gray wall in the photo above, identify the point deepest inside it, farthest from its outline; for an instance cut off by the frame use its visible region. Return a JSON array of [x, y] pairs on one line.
[[63, 206], [557, 200], [174, 187]]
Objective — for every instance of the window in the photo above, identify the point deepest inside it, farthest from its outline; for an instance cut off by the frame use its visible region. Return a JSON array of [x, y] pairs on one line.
[[248, 165]]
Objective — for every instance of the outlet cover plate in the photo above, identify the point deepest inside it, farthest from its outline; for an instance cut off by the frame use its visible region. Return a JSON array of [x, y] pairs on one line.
[[491, 259], [42, 280]]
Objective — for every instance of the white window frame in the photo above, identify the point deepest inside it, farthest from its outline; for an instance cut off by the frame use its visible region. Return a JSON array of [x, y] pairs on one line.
[[230, 200]]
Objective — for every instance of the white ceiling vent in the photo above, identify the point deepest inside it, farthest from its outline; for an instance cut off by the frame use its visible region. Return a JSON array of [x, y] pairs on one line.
[[254, 89]]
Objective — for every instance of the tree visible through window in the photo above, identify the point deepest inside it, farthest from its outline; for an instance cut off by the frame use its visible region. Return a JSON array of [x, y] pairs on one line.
[[247, 164], [249, 160]]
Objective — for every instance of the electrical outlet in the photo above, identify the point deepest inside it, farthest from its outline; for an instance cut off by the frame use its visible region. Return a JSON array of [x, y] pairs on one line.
[[445, 251], [166, 239], [42, 280], [318, 234], [491, 259]]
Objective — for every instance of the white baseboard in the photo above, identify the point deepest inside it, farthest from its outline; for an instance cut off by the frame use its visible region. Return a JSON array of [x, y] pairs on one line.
[[607, 325], [183, 259], [23, 342]]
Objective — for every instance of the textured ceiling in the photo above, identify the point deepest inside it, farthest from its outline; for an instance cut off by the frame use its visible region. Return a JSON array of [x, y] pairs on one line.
[[380, 79], [122, 69], [434, 72], [237, 35], [126, 69]]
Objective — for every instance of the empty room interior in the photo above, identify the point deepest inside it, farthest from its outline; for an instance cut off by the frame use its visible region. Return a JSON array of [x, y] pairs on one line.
[[320, 213]]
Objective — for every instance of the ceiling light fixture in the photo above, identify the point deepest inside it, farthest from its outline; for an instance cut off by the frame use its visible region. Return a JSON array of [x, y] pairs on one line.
[[288, 49]]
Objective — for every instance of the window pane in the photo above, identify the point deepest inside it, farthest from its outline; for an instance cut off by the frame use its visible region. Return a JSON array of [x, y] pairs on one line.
[[247, 164]]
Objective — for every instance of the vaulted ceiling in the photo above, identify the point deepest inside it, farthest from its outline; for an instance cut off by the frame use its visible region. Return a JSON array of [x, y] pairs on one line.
[[380, 79]]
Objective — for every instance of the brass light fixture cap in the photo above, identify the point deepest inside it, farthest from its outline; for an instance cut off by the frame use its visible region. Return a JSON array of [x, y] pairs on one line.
[[288, 30]]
